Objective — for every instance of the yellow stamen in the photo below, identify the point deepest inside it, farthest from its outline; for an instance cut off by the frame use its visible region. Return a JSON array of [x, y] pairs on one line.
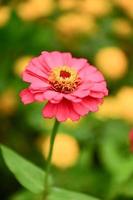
[[64, 79]]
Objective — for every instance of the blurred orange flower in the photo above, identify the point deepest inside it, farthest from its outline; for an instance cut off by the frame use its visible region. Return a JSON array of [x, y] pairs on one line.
[[75, 23], [112, 61], [119, 106], [33, 9], [125, 97], [122, 27], [67, 4], [126, 5], [96, 8], [5, 12], [21, 64], [109, 109], [66, 150], [8, 102]]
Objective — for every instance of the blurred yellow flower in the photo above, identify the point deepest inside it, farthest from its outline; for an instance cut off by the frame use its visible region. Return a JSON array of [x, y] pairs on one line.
[[125, 97], [109, 109], [96, 8], [21, 64], [122, 27], [112, 61], [67, 4], [75, 23], [33, 9], [65, 152], [120, 106], [126, 5], [4, 15], [8, 102]]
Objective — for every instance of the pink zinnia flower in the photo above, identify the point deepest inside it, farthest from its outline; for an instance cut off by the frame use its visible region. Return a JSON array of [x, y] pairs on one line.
[[131, 140], [71, 86]]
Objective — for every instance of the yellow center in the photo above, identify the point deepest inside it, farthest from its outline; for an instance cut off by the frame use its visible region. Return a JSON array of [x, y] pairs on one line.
[[64, 79]]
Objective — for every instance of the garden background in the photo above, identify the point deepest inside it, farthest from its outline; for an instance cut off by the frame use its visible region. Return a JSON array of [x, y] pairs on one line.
[[94, 155]]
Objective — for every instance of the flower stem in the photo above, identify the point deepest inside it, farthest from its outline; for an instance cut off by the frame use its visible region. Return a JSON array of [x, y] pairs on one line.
[[52, 139]]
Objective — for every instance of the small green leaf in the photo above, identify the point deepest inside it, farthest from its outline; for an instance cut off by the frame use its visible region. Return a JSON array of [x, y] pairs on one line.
[[114, 151], [24, 196], [28, 175], [55, 194], [61, 194], [127, 187]]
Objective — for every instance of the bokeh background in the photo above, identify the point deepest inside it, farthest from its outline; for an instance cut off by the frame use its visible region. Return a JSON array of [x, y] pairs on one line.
[[93, 155]]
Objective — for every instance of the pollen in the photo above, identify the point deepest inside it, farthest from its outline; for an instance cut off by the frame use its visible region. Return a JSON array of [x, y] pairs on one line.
[[64, 79]]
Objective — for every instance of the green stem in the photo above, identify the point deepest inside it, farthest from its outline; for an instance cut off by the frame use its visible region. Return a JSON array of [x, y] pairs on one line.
[[52, 139]]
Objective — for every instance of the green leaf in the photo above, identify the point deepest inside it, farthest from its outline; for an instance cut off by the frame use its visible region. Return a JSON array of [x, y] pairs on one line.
[[55, 194], [127, 187], [32, 178], [24, 196], [116, 157], [28, 175], [61, 194], [114, 151]]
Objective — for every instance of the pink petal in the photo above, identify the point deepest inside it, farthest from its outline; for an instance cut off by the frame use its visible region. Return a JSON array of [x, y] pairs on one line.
[[131, 140], [57, 57], [65, 110], [30, 77], [49, 110], [67, 59], [56, 110], [45, 68], [39, 86], [80, 108], [53, 59], [96, 94], [26, 96], [38, 67], [90, 73], [96, 77], [53, 96], [73, 115], [78, 63], [92, 103], [86, 72], [101, 87], [35, 71], [39, 97], [61, 111], [83, 90], [37, 82], [71, 97], [81, 93]]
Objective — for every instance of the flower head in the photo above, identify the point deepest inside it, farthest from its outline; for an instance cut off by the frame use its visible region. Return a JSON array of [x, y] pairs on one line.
[[71, 86]]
